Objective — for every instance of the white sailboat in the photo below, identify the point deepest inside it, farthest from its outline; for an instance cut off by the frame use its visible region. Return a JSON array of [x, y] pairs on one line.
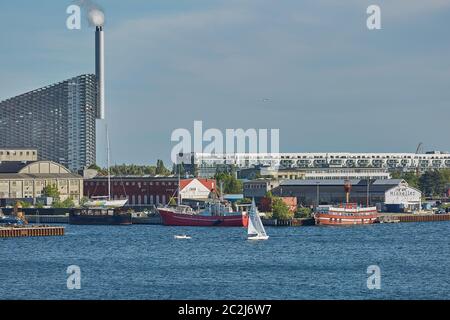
[[106, 201], [255, 229]]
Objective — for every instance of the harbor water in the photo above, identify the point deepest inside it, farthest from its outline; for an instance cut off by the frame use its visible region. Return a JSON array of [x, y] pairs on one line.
[[147, 262]]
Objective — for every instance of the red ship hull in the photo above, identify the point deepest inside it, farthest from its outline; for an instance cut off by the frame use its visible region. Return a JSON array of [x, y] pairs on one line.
[[348, 214], [172, 218]]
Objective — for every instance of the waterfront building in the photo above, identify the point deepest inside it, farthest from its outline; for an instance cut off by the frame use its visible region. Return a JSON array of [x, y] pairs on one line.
[[403, 198], [265, 204], [18, 154], [25, 181], [258, 188], [197, 189], [148, 190], [204, 162], [314, 173], [57, 120], [313, 192]]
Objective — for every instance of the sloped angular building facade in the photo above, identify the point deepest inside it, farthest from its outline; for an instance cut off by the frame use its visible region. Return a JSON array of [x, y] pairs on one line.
[[58, 120]]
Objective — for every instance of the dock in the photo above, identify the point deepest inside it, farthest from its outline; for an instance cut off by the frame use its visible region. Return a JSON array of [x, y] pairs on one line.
[[154, 220], [50, 219], [418, 217], [295, 222], [64, 219], [31, 231]]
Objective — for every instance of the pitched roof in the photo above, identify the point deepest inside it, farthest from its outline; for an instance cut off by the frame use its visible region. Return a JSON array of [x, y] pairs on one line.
[[208, 183]]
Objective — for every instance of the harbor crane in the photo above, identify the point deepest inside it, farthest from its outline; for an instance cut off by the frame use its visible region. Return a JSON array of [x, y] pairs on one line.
[[419, 150]]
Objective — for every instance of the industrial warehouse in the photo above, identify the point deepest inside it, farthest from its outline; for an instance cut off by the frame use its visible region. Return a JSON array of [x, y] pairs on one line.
[[388, 194], [25, 181]]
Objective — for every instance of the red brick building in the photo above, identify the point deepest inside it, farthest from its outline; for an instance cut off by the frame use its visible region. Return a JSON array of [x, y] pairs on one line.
[[138, 190], [145, 191], [266, 204]]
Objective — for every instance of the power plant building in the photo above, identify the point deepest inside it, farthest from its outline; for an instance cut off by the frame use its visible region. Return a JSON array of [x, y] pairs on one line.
[[57, 120]]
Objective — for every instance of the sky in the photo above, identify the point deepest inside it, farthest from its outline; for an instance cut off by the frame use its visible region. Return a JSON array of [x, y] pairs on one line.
[[309, 68]]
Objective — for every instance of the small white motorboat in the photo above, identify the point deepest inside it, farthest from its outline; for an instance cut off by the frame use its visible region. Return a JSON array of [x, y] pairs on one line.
[[182, 236]]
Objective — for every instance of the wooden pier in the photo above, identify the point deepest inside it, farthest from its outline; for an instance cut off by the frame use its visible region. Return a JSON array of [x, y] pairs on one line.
[[31, 231], [296, 222], [421, 217]]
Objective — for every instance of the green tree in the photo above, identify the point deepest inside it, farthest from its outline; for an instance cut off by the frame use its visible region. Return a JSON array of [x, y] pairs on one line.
[[68, 203], [303, 212], [83, 201], [179, 168], [244, 201], [231, 185], [39, 205], [280, 210], [410, 177], [433, 182], [100, 171], [24, 204], [161, 169], [51, 191]]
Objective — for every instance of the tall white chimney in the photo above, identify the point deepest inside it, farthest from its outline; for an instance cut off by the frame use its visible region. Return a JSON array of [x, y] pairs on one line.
[[100, 71]]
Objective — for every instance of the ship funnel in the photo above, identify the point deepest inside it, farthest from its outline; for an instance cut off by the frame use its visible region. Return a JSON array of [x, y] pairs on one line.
[[347, 188]]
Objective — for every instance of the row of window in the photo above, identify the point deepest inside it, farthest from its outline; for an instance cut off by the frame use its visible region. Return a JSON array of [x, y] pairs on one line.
[[157, 183], [145, 199], [15, 153]]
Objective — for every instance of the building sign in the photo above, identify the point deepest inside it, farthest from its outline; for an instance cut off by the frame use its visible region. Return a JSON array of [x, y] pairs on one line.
[[402, 195]]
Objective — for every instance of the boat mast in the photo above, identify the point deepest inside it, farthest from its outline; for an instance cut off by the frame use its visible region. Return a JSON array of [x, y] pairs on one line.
[[221, 190], [368, 193], [179, 187], [107, 163]]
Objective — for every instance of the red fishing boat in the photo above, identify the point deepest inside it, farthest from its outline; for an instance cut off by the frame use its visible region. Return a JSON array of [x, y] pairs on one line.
[[348, 213], [215, 215]]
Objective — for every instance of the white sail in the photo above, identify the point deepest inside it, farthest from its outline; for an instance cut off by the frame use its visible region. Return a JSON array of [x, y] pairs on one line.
[[255, 230], [251, 230]]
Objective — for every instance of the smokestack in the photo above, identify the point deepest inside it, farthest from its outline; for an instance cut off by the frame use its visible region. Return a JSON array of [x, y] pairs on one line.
[[100, 70], [96, 18]]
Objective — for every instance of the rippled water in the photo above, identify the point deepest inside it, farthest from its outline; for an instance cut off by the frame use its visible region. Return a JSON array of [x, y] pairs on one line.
[[146, 262]]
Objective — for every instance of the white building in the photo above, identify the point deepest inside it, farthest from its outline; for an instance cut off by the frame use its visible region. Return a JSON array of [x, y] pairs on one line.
[[198, 189], [430, 160], [403, 196]]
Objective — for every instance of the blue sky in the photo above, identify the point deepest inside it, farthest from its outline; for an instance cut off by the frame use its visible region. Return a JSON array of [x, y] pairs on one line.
[[332, 84]]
